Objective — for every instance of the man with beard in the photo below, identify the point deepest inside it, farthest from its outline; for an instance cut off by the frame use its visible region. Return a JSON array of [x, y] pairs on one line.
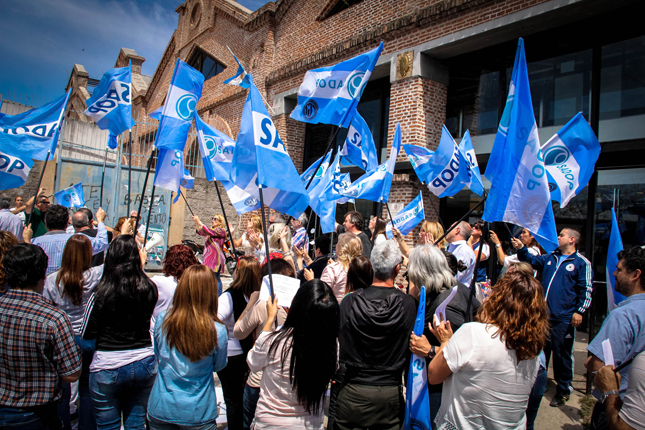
[[624, 327]]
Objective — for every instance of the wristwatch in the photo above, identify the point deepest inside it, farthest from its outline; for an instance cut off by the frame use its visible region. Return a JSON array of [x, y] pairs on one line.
[[432, 352], [606, 394]]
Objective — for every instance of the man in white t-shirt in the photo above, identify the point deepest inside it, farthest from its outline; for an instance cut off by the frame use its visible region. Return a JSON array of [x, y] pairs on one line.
[[141, 230], [458, 246], [19, 208]]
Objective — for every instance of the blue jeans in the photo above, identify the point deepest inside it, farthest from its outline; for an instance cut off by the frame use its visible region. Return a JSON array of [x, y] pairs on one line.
[[124, 390], [44, 418], [535, 398], [435, 403], [249, 403], [63, 407], [219, 284], [155, 424], [86, 416]]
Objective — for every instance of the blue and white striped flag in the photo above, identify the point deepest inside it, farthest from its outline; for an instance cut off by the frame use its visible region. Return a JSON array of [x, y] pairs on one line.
[[615, 246], [323, 197], [14, 168], [359, 148], [111, 103], [34, 133], [216, 149], [330, 95], [375, 186], [187, 181], [345, 182], [570, 157], [71, 197], [419, 158], [169, 173], [469, 163], [241, 78], [408, 218], [260, 158], [417, 405], [306, 176], [181, 104], [519, 191]]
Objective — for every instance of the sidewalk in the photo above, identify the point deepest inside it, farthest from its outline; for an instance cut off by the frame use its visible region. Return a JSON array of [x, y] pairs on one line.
[[567, 417]]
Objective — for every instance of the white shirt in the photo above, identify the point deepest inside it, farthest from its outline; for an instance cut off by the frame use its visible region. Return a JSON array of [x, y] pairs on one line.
[[20, 215], [465, 254], [633, 410], [226, 316], [166, 286], [512, 259], [487, 388], [141, 229]]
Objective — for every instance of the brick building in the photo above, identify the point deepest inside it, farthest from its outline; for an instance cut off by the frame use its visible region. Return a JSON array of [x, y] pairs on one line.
[[444, 62]]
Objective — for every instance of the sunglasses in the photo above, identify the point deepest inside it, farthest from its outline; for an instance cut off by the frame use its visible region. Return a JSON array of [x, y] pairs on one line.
[[215, 219], [44, 203]]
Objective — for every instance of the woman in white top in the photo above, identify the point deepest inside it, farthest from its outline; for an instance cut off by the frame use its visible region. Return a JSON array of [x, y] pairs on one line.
[[178, 259], [291, 391], [349, 246], [253, 228], [488, 367], [232, 304], [525, 237], [377, 227], [70, 289]]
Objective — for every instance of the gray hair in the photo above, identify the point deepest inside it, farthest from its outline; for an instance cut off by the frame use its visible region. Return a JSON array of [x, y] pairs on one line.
[[428, 267], [385, 257], [80, 219], [303, 219], [464, 230], [5, 201]]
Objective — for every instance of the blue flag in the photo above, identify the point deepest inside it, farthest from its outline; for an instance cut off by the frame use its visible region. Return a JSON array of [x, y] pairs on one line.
[[111, 103], [241, 78], [375, 185], [447, 169], [470, 165], [359, 148], [345, 182], [34, 133], [519, 191], [187, 181], [417, 405], [181, 104], [330, 95], [409, 217], [570, 157], [71, 197], [14, 168], [261, 158], [325, 195], [615, 246], [216, 149], [306, 176], [419, 158], [242, 200], [169, 173]]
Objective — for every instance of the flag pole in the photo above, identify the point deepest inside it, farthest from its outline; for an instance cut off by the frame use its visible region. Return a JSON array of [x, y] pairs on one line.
[[437, 212], [143, 193], [152, 199], [461, 219], [333, 137], [130, 173], [103, 175], [182, 194], [228, 229], [33, 206], [266, 242]]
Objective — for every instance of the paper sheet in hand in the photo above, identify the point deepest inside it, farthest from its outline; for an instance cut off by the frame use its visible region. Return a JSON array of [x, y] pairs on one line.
[[441, 310], [608, 353], [284, 288]]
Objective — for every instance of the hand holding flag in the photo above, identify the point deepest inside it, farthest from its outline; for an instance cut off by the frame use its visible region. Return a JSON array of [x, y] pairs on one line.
[[406, 220]]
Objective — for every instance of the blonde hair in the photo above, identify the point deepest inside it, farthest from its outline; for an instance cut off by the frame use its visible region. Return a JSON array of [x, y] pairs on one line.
[[257, 223], [435, 229], [221, 220], [348, 247], [274, 235]]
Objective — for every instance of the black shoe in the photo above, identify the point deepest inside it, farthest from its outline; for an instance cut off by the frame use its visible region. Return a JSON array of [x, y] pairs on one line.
[[559, 400]]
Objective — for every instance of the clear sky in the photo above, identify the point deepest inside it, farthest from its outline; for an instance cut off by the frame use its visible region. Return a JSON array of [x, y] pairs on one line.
[[40, 40]]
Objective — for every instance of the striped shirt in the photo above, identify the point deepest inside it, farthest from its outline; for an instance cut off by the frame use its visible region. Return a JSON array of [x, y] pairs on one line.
[[53, 243], [300, 239], [213, 254], [11, 223], [37, 347]]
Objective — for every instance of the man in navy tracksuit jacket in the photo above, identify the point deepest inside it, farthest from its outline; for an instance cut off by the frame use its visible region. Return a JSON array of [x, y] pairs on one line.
[[567, 283]]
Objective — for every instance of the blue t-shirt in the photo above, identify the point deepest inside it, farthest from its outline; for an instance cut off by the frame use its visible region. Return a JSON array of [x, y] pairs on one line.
[[625, 326], [562, 257], [184, 392]]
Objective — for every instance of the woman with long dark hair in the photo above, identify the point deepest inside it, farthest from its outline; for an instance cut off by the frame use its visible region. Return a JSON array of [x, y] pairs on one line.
[[7, 240], [190, 344], [359, 275], [377, 227], [118, 317], [298, 360], [232, 303], [70, 289], [488, 367]]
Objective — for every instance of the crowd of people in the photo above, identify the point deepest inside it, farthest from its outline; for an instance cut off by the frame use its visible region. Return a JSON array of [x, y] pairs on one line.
[[85, 326]]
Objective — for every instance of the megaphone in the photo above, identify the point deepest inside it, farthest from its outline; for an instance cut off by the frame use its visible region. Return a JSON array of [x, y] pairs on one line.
[[156, 240]]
